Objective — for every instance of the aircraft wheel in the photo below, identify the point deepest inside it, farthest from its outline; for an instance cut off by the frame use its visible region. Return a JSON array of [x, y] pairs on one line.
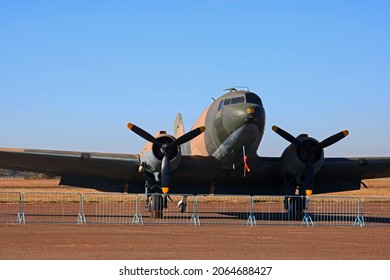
[[156, 206], [165, 201], [296, 207], [182, 207]]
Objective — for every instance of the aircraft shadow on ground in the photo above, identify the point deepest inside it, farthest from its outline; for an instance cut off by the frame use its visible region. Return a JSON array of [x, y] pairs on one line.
[[227, 216], [285, 216]]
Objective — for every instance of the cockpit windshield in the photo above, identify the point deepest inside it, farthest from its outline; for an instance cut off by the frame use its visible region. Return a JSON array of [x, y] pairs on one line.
[[237, 100], [253, 98], [249, 97]]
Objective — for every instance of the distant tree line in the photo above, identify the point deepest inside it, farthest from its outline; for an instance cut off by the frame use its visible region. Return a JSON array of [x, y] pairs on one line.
[[24, 174]]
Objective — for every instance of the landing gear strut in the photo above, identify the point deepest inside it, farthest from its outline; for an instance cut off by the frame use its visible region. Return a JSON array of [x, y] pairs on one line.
[[155, 201]]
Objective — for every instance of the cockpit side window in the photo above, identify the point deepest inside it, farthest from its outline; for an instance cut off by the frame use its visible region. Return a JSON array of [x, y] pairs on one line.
[[220, 106], [253, 98]]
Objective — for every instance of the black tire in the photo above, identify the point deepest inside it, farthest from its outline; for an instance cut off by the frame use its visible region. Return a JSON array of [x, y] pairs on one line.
[[156, 206], [296, 207]]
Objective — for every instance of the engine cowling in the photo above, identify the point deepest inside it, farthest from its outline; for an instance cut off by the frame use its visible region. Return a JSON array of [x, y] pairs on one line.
[[153, 154], [295, 158]]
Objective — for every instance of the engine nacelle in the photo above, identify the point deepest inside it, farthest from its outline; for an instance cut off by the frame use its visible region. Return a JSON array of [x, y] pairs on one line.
[[152, 155], [295, 158]]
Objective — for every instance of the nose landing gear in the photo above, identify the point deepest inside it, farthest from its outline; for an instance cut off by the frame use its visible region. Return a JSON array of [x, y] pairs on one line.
[[182, 205]]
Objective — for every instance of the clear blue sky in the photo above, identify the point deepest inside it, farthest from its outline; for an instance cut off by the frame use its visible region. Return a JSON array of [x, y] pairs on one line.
[[73, 73]]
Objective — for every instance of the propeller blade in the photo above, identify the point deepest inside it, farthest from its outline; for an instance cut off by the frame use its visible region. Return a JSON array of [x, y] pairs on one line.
[[309, 177], [165, 174], [332, 139], [189, 136], [142, 133], [287, 136]]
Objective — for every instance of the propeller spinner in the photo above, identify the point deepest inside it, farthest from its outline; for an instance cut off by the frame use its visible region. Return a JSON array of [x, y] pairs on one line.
[[166, 149]]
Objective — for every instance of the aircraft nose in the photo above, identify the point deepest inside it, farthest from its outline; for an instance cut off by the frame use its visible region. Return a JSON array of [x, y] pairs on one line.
[[247, 114], [253, 114]]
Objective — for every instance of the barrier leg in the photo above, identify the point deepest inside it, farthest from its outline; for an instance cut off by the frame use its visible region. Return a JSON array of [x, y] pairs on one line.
[[307, 220], [137, 219], [195, 218], [251, 219], [359, 221]]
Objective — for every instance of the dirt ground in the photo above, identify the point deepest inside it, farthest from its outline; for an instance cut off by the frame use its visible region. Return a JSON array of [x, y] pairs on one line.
[[118, 242], [207, 242]]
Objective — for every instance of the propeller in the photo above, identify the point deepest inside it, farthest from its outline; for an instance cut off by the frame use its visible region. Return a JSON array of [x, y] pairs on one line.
[[167, 149], [308, 151]]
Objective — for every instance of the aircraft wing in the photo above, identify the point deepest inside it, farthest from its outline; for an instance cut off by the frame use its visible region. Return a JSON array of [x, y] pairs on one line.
[[342, 174], [195, 175], [335, 175], [105, 171]]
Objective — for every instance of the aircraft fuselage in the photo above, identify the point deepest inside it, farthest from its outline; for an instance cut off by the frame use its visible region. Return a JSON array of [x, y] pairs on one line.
[[234, 127]]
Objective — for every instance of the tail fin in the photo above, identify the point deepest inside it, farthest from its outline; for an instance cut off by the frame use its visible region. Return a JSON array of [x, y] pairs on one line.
[[178, 127]]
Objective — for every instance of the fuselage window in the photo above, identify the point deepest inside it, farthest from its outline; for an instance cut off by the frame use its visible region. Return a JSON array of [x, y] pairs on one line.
[[237, 100], [226, 102]]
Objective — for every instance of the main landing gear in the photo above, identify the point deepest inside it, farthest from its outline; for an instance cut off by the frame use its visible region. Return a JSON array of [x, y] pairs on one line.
[[182, 205], [156, 203], [295, 206]]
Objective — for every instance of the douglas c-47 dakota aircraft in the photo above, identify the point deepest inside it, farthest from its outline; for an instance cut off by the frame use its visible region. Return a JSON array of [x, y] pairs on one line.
[[218, 156]]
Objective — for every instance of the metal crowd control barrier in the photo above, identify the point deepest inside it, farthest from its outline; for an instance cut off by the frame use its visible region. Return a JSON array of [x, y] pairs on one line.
[[224, 209], [270, 210], [376, 210], [333, 211], [106, 208], [45, 207], [118, 208], [10, 204], [109, 208]]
